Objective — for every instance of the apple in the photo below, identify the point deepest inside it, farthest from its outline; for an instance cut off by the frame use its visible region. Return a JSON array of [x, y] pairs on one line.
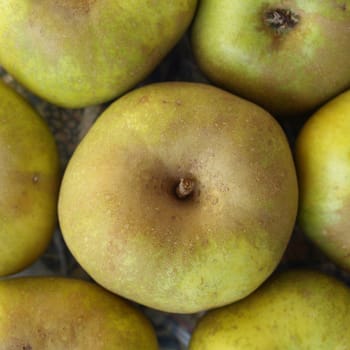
[[322, 154], [76, 53], [290, 56], [181, 197], [29, 181], [296, 309], [54, 313]]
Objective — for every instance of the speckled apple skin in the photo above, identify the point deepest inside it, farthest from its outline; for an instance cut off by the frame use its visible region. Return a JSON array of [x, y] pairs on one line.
[[120, 216]]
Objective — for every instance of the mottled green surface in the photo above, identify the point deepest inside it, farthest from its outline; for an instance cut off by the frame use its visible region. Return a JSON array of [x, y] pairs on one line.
[[323, 162], [289, 72], [83, 52], [296, 310]]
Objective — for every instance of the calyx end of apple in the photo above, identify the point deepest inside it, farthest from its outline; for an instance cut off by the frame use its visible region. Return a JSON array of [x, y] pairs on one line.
[[185, 187], [281, 20]]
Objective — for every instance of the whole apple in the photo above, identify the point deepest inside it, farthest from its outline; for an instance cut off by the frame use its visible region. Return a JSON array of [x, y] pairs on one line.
[[287, 56], [297, 309], [181, 197], [322, 157], [76, 53]]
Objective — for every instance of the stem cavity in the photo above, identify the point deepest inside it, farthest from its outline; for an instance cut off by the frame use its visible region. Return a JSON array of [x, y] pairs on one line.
[[281, 20], [185, 188]]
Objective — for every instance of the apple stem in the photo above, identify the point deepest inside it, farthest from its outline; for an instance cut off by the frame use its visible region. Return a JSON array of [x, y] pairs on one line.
[[281, 20], [185, 187]]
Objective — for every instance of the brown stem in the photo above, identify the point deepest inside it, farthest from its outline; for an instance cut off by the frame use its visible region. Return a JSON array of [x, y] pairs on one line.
[[185, 187]]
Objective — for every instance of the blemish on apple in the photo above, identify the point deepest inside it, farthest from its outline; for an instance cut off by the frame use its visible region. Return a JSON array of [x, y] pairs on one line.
[[144, 99], [281, 20], [35, 178]]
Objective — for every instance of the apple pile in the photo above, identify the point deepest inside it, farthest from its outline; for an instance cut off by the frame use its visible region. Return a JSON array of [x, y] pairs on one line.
[[183, 196]]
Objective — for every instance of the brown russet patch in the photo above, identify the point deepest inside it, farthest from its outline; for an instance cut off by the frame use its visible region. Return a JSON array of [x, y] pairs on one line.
[[83, 6], [343, 6]]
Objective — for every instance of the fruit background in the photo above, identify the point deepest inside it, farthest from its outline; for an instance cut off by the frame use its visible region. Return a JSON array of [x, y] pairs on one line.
[[69, 127]]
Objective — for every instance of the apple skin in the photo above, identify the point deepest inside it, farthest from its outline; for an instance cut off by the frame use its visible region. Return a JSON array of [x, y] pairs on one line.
[[76, 53], [122, 220], [322, 157], [288, 73], [51, 313], [29, 181], [296, 309]]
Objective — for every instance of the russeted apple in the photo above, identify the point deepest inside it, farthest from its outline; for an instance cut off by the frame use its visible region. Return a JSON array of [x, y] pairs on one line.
[[76, 53], [181, 197], [290, 57], [296, 309], [29, 181], [323, 166], [54, 313]]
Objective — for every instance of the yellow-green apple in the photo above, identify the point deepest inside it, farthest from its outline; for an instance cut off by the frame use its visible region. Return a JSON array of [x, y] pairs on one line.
[[29, 181], [297, 309], [322, 154], [76, 53], [181, 197], [287, 56], [51, 313]]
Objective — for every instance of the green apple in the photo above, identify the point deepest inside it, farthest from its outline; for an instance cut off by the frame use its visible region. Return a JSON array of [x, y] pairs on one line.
[[181, 197], [75, 53], [52, 313], [287, 56], [322, 154], [295, 310], [29, 181]]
